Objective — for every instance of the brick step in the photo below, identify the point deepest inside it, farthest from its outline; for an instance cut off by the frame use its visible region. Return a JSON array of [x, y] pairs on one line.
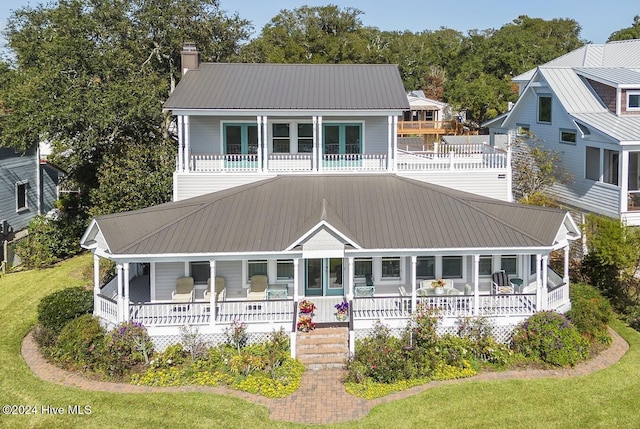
[[323, 348], [320, 351], [321, 341]]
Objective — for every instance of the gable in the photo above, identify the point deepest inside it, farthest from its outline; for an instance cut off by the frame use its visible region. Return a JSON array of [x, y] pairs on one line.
[[323, 244]]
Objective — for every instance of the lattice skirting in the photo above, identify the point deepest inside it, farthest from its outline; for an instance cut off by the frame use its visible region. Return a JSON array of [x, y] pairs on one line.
[[161, 342], [501, 333]]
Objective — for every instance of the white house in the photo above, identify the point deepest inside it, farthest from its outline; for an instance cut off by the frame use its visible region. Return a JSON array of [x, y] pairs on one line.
[[289, 186]]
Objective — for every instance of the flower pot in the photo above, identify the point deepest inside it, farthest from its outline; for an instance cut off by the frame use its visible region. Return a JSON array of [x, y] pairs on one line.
[[439, 290], [341, 316]]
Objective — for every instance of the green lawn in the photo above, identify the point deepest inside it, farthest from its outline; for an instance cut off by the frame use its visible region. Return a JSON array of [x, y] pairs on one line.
[[606, 399]]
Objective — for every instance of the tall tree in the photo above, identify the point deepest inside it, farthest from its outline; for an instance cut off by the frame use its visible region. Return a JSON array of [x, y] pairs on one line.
[[628, 33], [91, 75], [319, 34]]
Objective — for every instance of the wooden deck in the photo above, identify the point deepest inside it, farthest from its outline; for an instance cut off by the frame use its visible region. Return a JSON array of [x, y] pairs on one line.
[[438, 128]]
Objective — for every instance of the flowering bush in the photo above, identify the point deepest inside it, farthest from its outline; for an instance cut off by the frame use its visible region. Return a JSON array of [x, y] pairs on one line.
[[127, 345], [307, 306], [305, 324], [551, 338], [237, 335], [342, 307]]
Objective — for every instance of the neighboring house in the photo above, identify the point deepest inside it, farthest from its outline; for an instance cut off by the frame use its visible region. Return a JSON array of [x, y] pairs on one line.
[[289, 186], [586, 106], [28, 187], [428, 117]]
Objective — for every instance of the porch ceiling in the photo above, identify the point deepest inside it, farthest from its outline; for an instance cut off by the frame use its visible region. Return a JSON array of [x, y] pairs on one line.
[[376, 211]]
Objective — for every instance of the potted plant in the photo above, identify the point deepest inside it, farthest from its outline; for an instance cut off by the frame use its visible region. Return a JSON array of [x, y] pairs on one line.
[[306, 307], [305, 324], [342, 310], [438, 286]]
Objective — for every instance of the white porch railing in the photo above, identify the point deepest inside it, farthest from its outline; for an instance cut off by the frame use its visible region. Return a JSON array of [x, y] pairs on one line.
[[107, 309], [255, 311], [290, 162], [448, 305], [164, 314], [227, 162], [354, 162], [558, 297], [430, 161]]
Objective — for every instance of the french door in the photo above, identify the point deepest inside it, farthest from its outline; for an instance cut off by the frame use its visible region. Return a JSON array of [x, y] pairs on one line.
[[324, 277]]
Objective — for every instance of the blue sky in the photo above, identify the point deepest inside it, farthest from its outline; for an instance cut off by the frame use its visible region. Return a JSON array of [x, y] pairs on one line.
[[598, 19]]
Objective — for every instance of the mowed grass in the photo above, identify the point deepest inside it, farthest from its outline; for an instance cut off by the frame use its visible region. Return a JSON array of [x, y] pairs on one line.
[[606, 399]]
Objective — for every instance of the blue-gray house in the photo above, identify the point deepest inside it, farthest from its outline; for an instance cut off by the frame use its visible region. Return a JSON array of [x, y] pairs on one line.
[[28, 187]]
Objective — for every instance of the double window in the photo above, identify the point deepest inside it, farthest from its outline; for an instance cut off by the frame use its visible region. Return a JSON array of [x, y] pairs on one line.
[[610, 165], [285, 136]]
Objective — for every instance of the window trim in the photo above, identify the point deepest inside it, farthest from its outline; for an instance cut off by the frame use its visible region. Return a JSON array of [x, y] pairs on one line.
[[277, 139], [283, 262], [24, 185], [539, 111], [629, 95], [564, 131], [398, 259], [462, 267], [433, 258]]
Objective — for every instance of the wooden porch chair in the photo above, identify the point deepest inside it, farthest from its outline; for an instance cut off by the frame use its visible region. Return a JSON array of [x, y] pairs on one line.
[[500, 283], [184, 290], [258, 287]]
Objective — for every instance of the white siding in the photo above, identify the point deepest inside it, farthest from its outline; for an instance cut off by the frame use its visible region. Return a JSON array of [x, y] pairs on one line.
[[189, 185], [484, 183], [232, 273], [166, 275]]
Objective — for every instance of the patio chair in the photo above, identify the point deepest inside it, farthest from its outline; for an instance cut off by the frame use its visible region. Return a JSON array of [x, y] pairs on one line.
[[219, 288], [500, 283], [258, 287], [184, 290]]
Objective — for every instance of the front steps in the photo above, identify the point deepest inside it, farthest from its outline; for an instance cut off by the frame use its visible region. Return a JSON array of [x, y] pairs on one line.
[[323, 348]]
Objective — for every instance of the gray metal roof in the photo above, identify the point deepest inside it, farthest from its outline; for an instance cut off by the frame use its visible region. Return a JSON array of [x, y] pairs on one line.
[[266, 87], [383, 212], [613, 76], [572, 92]]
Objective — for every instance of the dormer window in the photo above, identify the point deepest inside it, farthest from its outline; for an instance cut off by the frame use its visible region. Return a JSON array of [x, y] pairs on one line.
[[633, 100]]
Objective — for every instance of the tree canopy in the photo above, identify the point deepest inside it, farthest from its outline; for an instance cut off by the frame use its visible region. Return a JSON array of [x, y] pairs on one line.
[[91, 75]]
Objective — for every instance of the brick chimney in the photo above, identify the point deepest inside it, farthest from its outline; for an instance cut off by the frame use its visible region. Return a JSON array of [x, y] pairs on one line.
[[190, 57]]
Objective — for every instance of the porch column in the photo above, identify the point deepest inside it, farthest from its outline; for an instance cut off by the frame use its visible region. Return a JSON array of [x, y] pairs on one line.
[[414, 296], [314, 146], [389, 143], [180, 166], [476, 284], [320, 151], [125, 300], [152, 280], [187, 151], [509, 174], [212, 293], [543, 295], [624, 183], [120, 292], [96, 283], [394, 139], [296, 280], [538, 283], [350, 278], [565, 273]]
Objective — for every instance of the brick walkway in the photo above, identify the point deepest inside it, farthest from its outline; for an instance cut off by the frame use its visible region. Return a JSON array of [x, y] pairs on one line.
[[337, 405]]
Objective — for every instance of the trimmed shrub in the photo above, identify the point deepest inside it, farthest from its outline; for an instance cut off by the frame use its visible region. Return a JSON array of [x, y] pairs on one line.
[[590, 313], [80, 343], [551, 338], [61, 307], [126, 346]]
